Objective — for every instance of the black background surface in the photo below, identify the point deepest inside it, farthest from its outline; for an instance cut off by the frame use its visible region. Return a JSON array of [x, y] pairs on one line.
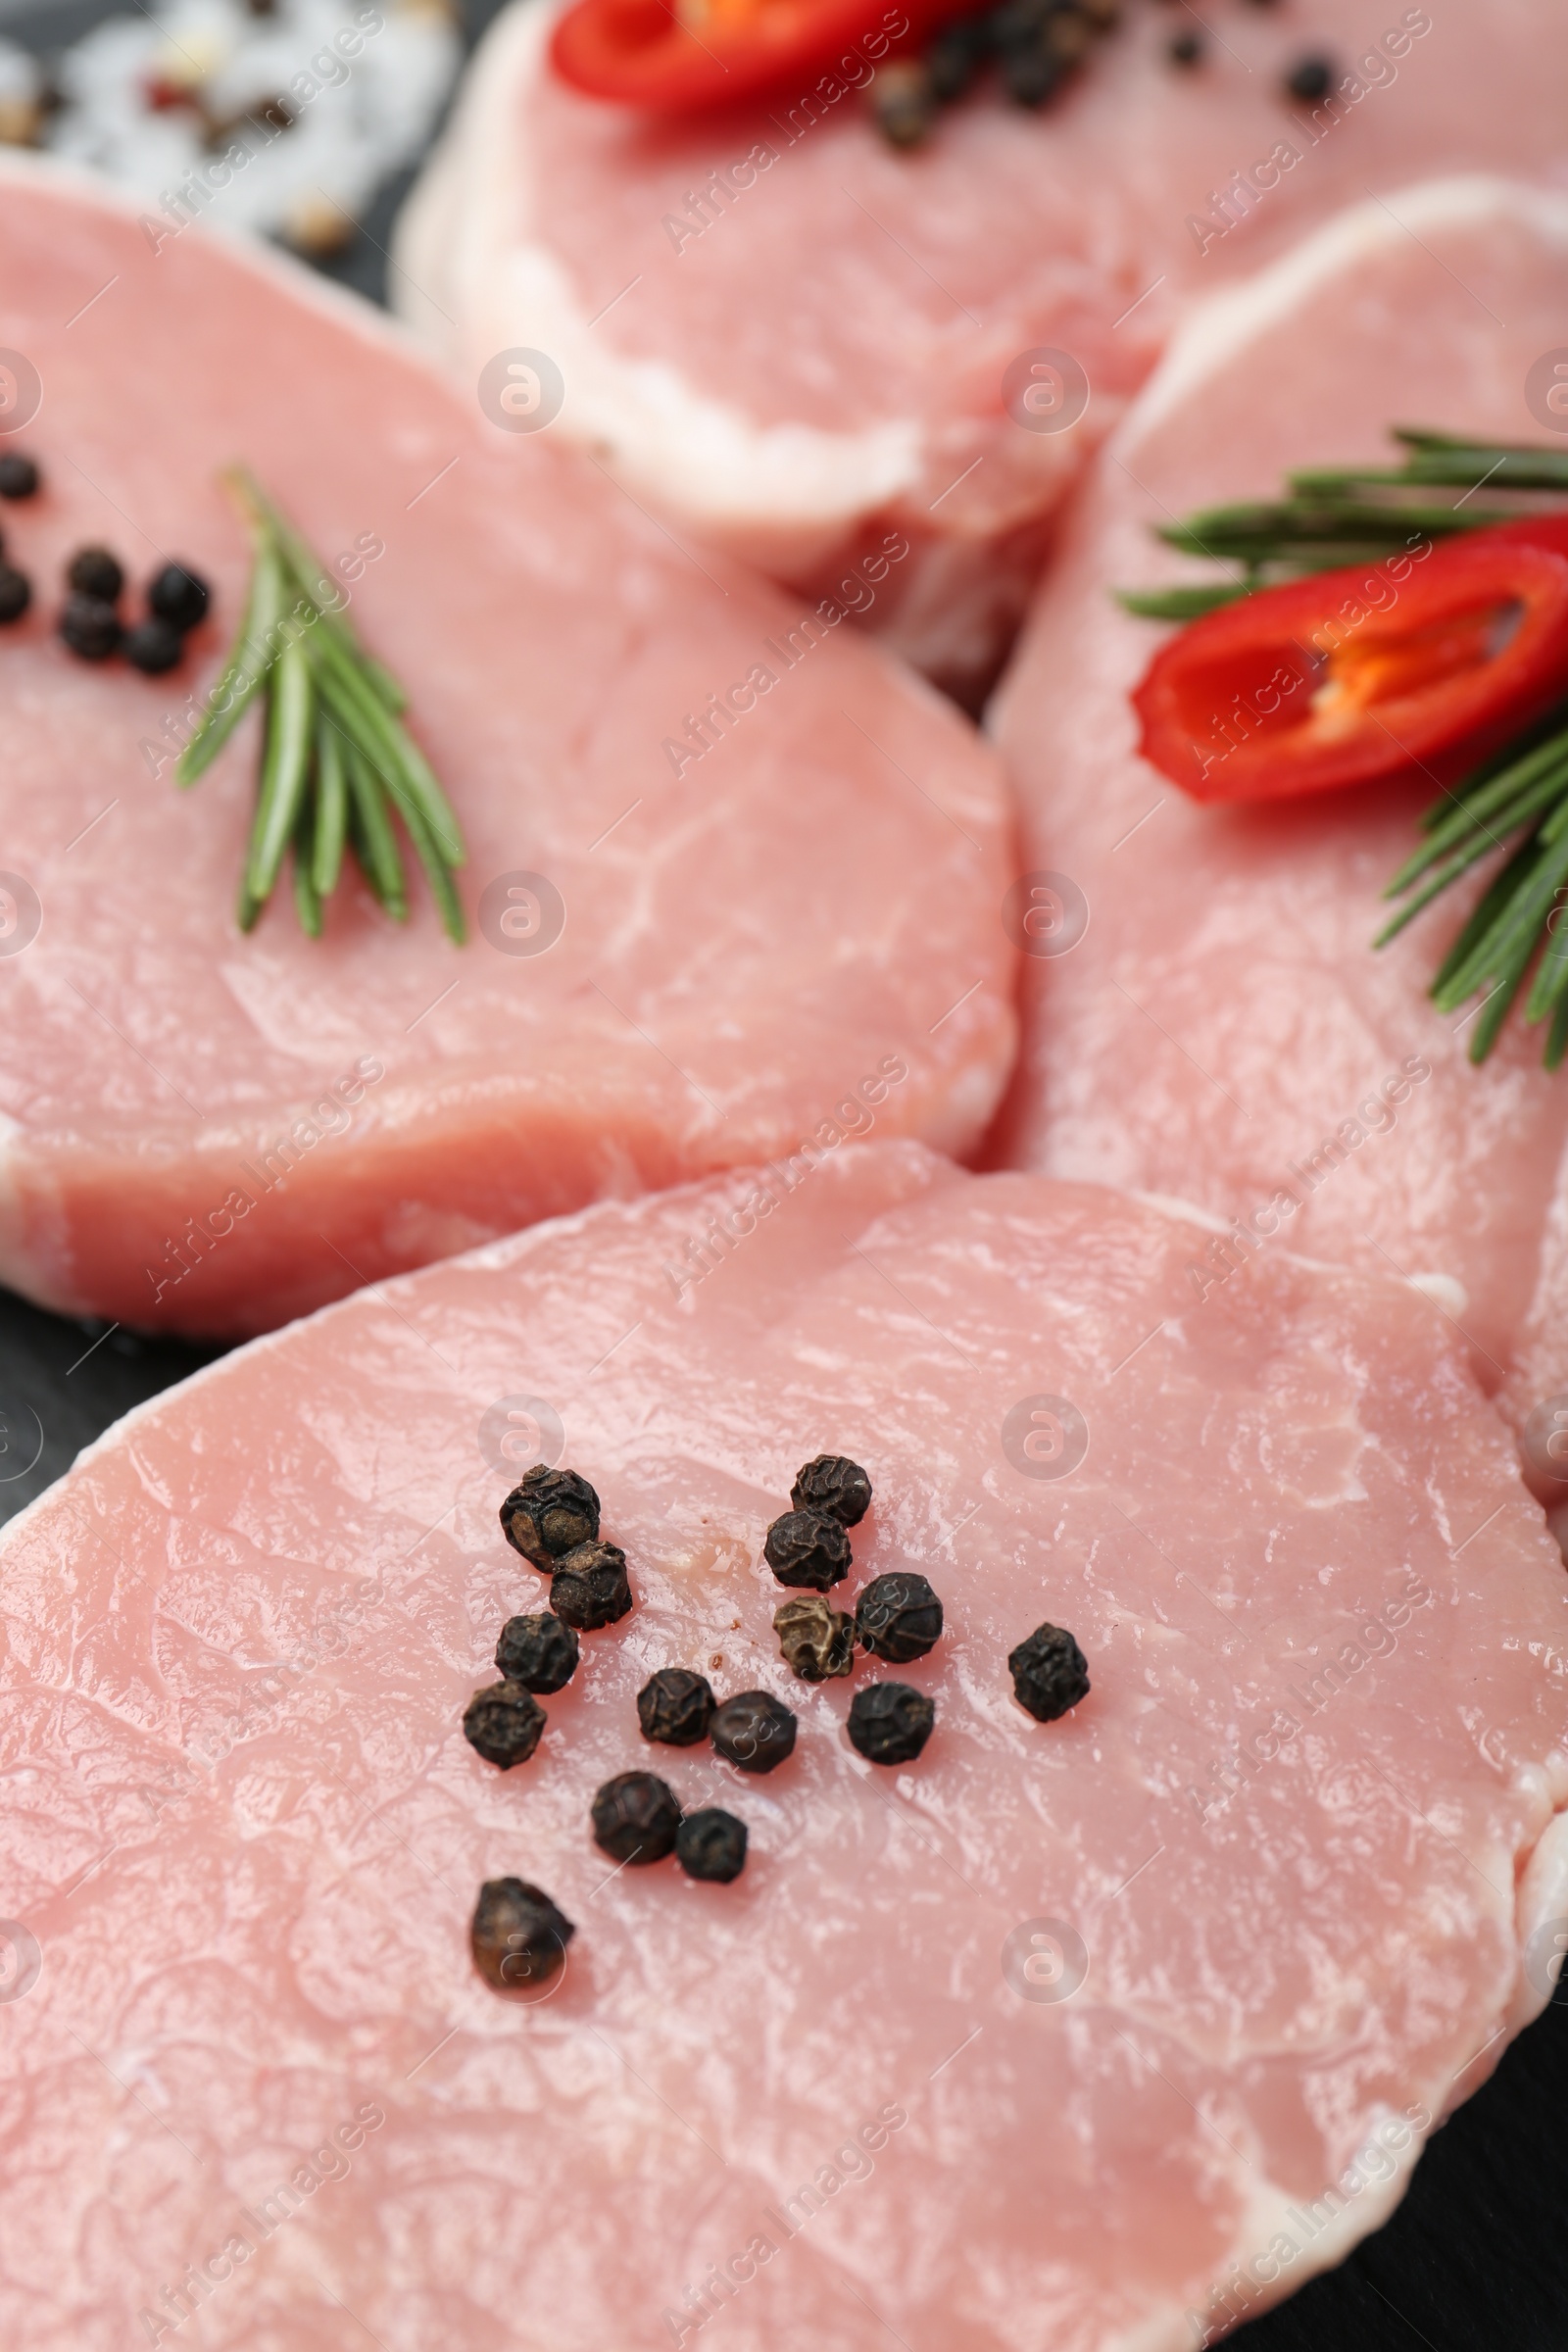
[[1475, 2259]]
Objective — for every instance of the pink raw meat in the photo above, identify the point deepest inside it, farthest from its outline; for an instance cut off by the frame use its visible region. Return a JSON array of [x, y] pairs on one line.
[[752, 931], [1052, 2028], [1224, 1030], [822, 349]]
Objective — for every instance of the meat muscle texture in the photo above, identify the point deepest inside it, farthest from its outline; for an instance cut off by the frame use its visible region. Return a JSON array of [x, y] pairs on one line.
[[1042, 2043], [783, 332], [766, 914], [1223, 1029]]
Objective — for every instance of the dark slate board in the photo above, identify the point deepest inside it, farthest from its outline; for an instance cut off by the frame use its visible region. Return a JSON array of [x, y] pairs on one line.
[[1476, 2258]]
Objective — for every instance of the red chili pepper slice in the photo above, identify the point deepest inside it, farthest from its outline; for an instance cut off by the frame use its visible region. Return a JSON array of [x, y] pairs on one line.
[[671, 54], [1347, 676]]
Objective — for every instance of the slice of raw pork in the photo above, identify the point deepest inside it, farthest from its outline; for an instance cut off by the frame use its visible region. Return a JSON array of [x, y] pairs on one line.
[[1223, 1029], [1042, 2043], [776, 921], [785, 334]]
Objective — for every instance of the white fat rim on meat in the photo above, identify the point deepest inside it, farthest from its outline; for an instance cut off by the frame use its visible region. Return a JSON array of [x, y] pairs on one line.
[[471, 240], [1216, 332], [1265, 2215]]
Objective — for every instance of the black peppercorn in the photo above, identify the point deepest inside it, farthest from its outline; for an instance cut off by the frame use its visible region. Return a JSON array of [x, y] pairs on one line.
[[590, 1588], [90, 627], [549, 1513], [94, 571], [834, 1486], [519, 1936], [539, 1652], [817, 1643], [179, 596], [711, 1845], [754, 1730], [153, 646], [806, 1548], [890, 1722], [1032, 75], [636, 1817], [1186, 49], [504, 1722], [1069, 35], [1310, 79], [903, 102], [953, 58], [16, 593], [898, 1617], [19, 475], [1050, 1673], [675, 1707]]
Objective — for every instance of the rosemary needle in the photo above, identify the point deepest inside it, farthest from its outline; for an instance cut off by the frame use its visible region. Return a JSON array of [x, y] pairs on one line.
[[336, 756], [332, 810]]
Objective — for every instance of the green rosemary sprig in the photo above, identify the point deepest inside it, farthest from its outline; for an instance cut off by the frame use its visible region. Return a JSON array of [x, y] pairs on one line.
[[1514, 803], [1340, 514], [337, 758]]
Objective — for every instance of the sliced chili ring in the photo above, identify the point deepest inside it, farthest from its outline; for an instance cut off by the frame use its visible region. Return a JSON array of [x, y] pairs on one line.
[[677, 53], [1347, 676]]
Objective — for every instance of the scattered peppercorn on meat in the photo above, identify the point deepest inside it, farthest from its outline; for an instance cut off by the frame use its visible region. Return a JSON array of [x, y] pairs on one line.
[[629, 1980]]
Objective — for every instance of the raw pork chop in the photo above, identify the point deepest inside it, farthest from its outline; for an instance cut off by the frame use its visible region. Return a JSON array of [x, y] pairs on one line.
[[764, 926], [1224, 1030], [1039, 2044], [786, 365]]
